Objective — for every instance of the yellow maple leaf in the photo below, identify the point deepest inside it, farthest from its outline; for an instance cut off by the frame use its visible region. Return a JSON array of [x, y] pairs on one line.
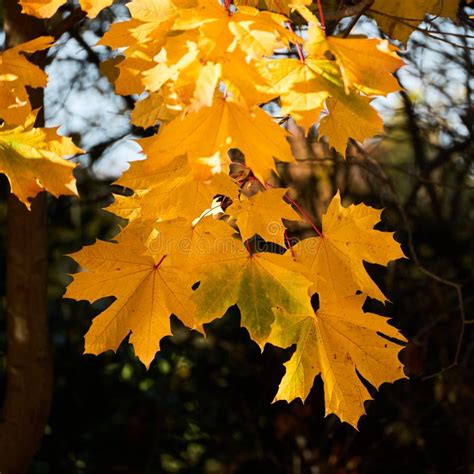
[[189, 50], [254, 32], [255, 282], [349, 116], [155, 11], [334, 261], [41, 8], [139, 42], [206, 137], [363, 62], [148, 287], [280, 6], [193, 240], [16, 72], [140, 39], [153, 109], [243, 79], [262, 214], [366, 64], [308, 87], [47, 8], [94, 7], [128, 74], [33, 160], [301, 88], [400, 19], [191, 77], [206, 45], [336, 341], [179, 55], [207, 80], [168, 192], [260, 33]]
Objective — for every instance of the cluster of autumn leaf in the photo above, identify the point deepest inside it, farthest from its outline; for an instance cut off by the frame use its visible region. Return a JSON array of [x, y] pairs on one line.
[[30, 157], [203, 69]]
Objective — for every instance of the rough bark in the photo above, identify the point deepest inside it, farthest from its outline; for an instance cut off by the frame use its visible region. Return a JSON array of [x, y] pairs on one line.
[[27, 394]]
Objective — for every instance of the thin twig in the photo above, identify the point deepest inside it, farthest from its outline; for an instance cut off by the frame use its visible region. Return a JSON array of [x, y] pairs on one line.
[[363, 7], [456, 286]]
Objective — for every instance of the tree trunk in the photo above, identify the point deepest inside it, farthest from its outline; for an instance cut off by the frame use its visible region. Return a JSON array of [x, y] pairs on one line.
[[28, 388]]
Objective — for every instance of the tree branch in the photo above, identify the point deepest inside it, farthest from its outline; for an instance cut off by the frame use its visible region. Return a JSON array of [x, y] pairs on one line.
[[28, 389]]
